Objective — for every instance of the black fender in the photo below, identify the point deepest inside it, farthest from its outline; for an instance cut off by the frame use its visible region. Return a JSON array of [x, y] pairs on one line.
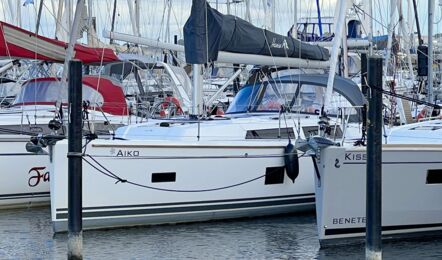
[[291, 162]]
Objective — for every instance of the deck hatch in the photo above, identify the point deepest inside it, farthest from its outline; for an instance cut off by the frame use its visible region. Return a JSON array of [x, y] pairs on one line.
[[434, 176], [163, 177], [274, 175]]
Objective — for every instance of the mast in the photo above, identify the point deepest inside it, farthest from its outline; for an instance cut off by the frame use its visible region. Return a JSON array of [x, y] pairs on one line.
[[18, 15], [295, 17], [11, 11], [40, 9], [390, 35], [319, 18], [137, 16], [54, 10], [169, 11], [405, 33], [410, 23], [15, 12], [339, 29], [345, 52], [430, 49], [416, 17], [91, 25], [370, 33], [111, 41], [71, 44], [269, 14], [59, 17], [197, 78], [273, 23], [248, 16], [69, 19], [132, 17]]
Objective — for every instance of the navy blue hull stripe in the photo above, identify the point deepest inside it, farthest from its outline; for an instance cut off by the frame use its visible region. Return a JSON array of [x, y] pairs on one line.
[[24, 195], [149, 211], [343, 231], [195, 202]]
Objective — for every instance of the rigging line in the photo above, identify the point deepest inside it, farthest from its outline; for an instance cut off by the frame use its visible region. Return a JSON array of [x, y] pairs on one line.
[[162, 21], [370, 16], [110, 174], [177, 22], [405, 97], [113, 176], [55, 18]]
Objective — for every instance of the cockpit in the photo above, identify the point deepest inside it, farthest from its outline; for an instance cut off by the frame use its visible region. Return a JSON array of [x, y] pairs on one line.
[[298, 93]]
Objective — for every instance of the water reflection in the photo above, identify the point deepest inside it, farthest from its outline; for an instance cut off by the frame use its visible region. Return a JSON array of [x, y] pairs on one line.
[[28, 234]]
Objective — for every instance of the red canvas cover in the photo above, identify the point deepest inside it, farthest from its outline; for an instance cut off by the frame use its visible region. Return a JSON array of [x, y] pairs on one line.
[[18, 43], [113, 96]]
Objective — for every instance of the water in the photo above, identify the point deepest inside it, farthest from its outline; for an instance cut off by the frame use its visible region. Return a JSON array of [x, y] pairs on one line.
[[27, 234]]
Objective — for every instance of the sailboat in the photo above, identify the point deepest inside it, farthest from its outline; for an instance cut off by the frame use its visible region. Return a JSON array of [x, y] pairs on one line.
[[410, 173], [34, 111], [242, 164], [411, 187]]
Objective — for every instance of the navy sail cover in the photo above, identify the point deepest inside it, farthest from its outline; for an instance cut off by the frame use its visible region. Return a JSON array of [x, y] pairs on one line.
[[232, 34]]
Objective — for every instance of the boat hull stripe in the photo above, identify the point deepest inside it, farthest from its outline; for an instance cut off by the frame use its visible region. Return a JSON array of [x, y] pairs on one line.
[[24, 195], [18, 154], [149, 211], [343, 231], [194, 202]]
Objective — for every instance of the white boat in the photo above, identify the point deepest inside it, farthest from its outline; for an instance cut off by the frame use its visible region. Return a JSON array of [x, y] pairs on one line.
[[240, 165], [170, 171], [411, 187], [25, 174]]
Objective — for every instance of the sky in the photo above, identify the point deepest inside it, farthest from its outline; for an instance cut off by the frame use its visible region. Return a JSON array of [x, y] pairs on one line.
[[154, 15]]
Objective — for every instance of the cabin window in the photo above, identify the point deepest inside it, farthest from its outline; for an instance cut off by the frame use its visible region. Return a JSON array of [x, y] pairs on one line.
[[163, 177], [274, 175], [270, 100], [313, 130], [434, 176], [273, 133]]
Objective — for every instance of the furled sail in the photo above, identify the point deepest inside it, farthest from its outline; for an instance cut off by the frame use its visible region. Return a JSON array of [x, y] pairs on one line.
[[18, 43], [232, 34]]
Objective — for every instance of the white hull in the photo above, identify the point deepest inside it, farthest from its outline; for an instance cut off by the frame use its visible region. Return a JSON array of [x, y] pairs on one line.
[[220, 164], [24, 176], [20, 186], [411, 192]]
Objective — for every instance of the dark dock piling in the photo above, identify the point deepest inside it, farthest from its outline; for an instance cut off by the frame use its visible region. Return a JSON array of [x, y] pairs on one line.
[[373, 247], [75, 226]]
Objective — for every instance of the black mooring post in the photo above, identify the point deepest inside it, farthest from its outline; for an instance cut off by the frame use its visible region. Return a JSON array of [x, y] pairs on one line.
[[373, 247], [75, 225]]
